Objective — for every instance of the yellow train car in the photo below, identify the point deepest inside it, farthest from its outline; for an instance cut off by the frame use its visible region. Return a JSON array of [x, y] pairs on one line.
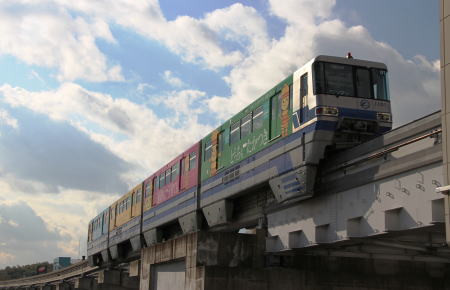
[[125, 223]]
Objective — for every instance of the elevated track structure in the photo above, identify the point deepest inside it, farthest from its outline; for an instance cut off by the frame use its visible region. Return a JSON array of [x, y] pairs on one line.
[[376, 201]]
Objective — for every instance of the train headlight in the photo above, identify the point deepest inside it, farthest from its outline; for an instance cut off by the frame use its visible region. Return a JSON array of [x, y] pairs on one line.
[[327, 111], [384, 117]]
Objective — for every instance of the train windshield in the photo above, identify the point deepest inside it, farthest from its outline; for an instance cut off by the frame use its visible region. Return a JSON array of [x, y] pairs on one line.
[[352, 81]]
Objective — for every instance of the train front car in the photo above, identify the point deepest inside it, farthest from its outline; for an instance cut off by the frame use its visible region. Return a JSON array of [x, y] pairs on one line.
[[279, 139], [351, 98], [97, 243], [337, 103]]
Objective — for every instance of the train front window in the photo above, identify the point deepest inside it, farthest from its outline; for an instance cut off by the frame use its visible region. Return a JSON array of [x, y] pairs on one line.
[[380, 84], [351, 81], [334, 79], [363, 83]]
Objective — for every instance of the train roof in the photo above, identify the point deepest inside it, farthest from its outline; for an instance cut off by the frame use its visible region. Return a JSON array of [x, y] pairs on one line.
[[350, 61]]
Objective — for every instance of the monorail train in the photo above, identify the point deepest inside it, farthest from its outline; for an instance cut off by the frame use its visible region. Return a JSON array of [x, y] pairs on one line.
[[278, 140]]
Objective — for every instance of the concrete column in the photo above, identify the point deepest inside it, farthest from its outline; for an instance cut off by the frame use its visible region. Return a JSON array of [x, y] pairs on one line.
[[64, 286], [445, 93], [84, 283], [116, 280]]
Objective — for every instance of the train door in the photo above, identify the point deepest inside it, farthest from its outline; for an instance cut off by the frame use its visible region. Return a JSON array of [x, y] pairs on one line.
[[105, 221], [149, 189], [133, 204], [303, 97], [112, 217], [275, 124], [220, 149], [90, 232], [184, 168]]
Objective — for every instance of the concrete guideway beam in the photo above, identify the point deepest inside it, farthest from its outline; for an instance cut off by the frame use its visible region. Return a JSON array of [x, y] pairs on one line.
[[225, 261]]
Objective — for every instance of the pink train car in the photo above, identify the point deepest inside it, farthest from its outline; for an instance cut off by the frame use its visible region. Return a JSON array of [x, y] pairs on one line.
[[174, 192]]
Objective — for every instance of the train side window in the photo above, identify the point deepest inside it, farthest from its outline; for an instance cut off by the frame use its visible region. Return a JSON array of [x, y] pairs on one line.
[[258, 118], [303, 89], [235, 134], [175, 170], [138, 196], [162, 180], [246, 125], [168, 175], [192, 160], [208, 149], [220, 141], [155, 183]]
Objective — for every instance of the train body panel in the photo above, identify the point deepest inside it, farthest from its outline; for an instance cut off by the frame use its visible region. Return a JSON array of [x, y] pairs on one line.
[[249, 131], [176, 176], [168, 212]]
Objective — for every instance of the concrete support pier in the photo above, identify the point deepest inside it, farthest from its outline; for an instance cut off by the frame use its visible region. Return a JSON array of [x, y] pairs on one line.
[[230, 261]]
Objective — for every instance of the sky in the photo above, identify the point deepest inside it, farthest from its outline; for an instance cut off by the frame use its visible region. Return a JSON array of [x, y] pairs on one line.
[[97, 95]]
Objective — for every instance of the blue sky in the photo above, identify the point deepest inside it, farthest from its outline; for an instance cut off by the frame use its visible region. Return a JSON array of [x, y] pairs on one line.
[[96, 95]]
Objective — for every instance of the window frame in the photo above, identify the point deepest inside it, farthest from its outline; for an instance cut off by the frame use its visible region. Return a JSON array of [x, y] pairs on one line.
[[371, 70], [207, 150], [259, 116], [236, 126], [244, 122], [192, 156]]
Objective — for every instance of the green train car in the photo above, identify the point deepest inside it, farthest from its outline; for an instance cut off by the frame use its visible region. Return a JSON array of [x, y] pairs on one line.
[[248, 132]]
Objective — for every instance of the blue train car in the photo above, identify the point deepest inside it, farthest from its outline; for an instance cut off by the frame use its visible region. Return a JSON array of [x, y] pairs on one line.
[[98, 234]]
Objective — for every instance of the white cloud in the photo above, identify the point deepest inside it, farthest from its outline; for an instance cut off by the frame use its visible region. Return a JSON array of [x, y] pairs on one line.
[[127, 129], [61, 220], [195, 40], [52, 37], [172, 80], [6, 119], [143, 86]]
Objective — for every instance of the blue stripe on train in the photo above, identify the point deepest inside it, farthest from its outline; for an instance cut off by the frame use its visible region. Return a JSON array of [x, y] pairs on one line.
[[173, 199], [180, 206]]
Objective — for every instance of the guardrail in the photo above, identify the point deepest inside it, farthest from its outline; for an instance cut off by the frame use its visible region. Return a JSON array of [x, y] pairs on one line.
[[76, 270]]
